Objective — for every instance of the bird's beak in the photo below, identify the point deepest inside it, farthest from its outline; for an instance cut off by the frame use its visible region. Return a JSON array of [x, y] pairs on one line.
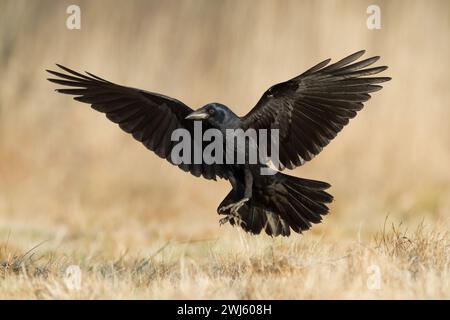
[[198, 115]]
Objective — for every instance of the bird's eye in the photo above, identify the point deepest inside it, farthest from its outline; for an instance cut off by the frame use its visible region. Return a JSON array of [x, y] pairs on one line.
[[211, 111]]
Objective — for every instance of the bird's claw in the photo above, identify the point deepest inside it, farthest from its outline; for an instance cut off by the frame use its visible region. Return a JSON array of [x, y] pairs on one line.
[[237, 219], [234, 208], [224, 220]]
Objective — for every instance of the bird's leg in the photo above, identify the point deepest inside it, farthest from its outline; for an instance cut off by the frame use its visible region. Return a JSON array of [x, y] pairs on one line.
[[235, 206], [225, 219], [235, 187], [248, 189], [247, 194]]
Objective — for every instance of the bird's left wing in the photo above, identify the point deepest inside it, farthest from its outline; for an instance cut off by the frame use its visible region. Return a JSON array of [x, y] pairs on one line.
[[149, 117], [310, 109]]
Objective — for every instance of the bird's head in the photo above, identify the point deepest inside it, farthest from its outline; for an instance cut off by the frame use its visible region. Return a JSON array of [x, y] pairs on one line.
[[215, 113]]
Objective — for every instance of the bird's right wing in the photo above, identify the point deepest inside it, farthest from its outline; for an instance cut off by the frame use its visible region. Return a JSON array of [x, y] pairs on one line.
[[149, 117]]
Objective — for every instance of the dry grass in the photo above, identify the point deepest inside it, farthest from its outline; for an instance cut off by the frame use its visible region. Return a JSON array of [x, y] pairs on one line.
[[410, 266], [86, 194]]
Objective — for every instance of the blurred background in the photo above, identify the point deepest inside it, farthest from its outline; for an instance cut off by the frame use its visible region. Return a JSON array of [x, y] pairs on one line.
[[67, 173]]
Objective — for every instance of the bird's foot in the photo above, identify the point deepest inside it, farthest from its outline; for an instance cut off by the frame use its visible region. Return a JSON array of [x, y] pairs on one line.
[[233, 215], [234, 207], [225, 220]]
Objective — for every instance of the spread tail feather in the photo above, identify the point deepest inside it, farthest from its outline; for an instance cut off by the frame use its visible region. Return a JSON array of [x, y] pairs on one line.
[[286, 203]]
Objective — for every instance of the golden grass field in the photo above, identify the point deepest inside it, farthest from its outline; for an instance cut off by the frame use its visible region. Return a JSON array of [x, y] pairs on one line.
[[76, 190]]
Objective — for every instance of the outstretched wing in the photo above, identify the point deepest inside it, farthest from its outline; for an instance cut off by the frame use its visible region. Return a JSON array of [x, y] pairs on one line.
[[310, 109], [149, 117]]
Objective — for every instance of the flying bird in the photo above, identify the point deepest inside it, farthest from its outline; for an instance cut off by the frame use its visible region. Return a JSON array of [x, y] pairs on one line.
[[308, 110]]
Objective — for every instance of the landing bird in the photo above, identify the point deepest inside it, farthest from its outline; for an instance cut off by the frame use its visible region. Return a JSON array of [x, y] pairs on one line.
[[308, 110]]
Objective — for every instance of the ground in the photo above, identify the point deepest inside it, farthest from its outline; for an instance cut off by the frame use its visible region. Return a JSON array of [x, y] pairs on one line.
[[396, 264]]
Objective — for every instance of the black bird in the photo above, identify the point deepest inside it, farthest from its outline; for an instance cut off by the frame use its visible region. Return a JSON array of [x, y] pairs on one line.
[[309, 110]]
